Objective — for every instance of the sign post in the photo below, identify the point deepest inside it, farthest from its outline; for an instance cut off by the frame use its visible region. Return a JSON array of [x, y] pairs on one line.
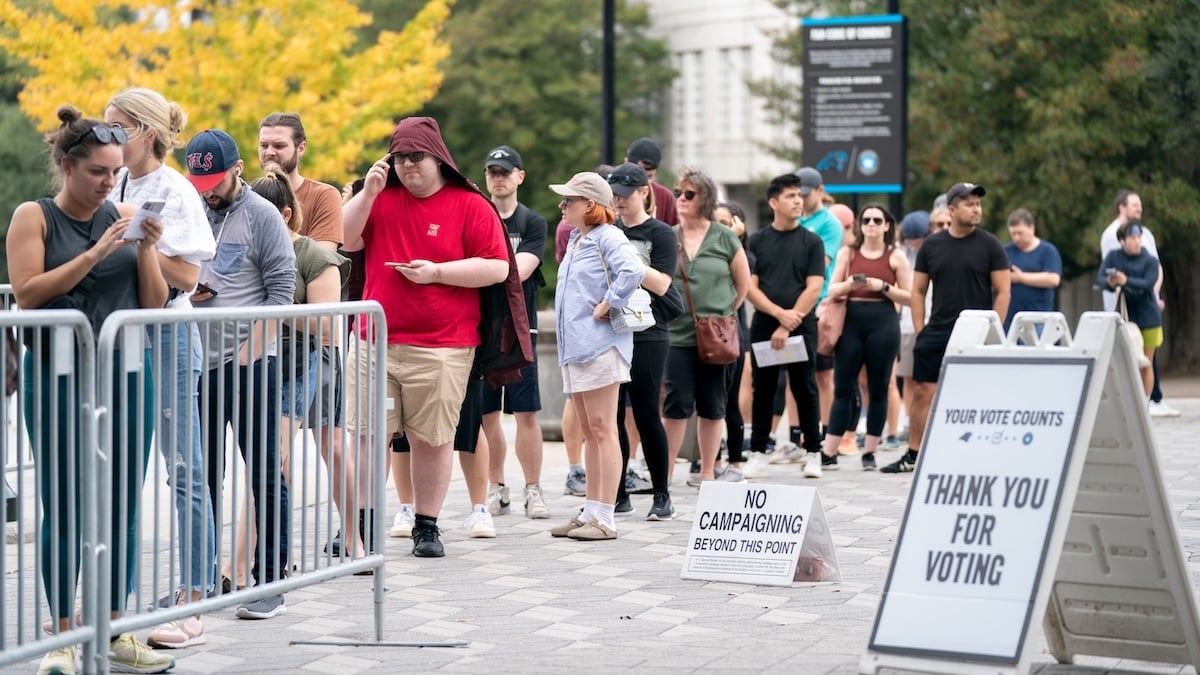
[[1037, 495], [855, 107]]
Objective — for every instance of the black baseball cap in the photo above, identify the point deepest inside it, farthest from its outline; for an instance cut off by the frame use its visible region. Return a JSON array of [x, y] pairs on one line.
[[626, 178], [644, 151], [504, 157], [961, 190]]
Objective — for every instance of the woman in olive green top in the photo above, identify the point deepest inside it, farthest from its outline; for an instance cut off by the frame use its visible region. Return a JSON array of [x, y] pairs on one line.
[[718, 276]]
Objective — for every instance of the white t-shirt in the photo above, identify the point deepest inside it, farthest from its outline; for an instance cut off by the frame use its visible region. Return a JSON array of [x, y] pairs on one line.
[[1109, 243], [186, 232]]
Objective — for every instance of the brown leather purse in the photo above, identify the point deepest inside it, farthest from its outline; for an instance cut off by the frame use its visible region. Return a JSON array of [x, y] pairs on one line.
[[716, 336]]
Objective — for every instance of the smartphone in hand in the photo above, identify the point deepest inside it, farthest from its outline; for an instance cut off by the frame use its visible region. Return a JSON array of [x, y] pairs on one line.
[[860, 278], [149, 209], [204, 288]]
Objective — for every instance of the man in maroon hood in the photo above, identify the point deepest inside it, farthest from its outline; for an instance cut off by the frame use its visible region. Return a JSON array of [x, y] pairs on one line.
[[431, 242]]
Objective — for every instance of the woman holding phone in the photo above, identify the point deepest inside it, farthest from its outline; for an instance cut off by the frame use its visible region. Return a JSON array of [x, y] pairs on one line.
[[874, 276]]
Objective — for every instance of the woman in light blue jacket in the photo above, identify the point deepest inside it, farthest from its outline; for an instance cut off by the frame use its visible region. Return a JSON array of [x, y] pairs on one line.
[[599, 272]]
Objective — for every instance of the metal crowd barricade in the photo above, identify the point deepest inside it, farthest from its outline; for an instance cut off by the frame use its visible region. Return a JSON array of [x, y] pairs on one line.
[[56, 420], [297, 515]]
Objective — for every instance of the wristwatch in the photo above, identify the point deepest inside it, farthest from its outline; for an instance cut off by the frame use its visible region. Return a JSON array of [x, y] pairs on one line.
[[886, 287]]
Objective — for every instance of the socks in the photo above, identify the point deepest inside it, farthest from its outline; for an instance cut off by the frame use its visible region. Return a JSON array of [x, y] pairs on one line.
[[590, 509], [577, 467], [427, 521], [606, 515], [479, 507], [794, 435]]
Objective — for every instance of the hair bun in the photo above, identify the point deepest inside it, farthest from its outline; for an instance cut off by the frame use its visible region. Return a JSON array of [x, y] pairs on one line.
[[68, 114]]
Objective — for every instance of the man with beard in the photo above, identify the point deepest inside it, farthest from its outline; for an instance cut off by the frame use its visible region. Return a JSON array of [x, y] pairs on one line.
[[255, 265]]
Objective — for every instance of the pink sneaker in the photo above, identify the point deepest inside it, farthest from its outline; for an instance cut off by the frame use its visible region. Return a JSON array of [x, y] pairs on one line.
[[178, 634]]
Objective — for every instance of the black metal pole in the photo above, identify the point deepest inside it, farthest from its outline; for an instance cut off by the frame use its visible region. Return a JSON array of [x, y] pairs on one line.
[[609, 94]]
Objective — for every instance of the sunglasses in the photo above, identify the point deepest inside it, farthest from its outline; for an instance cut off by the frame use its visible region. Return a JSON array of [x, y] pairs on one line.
[[414, 157], [627, 181], [567, 201], [104, 133], [688, 195], [873, 221]]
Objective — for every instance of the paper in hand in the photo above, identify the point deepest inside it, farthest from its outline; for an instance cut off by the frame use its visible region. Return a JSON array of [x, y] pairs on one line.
[[150, 209], [793, 350]]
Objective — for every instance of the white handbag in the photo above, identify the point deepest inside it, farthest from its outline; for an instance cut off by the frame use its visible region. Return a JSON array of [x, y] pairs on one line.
[[635, 316], [1132, 331]]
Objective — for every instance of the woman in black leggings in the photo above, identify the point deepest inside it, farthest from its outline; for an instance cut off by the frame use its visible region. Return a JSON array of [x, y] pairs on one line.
[[874, 277], [656, 244], [733, 216]]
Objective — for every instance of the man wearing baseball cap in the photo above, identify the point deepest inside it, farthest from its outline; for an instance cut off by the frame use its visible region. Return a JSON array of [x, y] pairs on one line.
[[969, 270], [432, 241], [645, 153], [255, 265], [504, 174]]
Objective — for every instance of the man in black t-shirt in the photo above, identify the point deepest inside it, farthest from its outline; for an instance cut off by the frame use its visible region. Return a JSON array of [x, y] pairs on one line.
[[522, 400], [789, 271], [969, 270]]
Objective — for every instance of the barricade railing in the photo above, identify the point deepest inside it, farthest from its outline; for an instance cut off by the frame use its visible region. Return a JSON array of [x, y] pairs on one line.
[[57, 546], [266, 373]]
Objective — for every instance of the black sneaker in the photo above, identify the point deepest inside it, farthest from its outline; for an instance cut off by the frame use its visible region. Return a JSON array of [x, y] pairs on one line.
[[426, 541], [263, 608], [906, 463], [334, 546], [828, 461], [868, 461], [623, 505], [662, 509]]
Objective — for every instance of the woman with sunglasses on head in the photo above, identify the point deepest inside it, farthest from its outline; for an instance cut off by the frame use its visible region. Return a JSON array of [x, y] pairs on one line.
[[599, 272], [713, 270], [153, 126], [658, 250], [874, 276], [69, 251]]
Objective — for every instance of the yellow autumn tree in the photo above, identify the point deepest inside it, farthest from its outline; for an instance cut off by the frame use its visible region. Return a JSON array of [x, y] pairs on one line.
[[230, 63]]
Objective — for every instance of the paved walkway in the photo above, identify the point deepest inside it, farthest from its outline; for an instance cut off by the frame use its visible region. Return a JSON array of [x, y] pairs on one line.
[[526, 602]]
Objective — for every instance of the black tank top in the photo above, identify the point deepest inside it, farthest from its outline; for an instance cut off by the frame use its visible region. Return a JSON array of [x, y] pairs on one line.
[[112, 284]]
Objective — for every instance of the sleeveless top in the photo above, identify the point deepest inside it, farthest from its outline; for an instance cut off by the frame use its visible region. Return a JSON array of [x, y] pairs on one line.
[[880, 268], [112, 284]]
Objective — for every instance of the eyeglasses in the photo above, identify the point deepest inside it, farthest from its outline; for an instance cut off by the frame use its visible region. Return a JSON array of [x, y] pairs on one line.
[[414, 157], [873, 220], [104, 133], [627, 181], [567, 201], [688, 195]]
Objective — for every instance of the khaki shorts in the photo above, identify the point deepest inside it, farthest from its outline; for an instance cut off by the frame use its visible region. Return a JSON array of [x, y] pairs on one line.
[[905, 365], [608, 368], [426, 386]]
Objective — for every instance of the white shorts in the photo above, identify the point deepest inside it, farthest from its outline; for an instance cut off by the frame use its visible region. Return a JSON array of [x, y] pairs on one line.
[[608, 368]]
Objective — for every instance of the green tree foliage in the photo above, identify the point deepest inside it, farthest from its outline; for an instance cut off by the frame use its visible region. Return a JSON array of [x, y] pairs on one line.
[[1054, 106], [528, 74], [23, 169]]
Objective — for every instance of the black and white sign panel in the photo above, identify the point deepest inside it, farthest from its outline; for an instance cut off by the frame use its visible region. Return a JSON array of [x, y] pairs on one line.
[[975, 534]]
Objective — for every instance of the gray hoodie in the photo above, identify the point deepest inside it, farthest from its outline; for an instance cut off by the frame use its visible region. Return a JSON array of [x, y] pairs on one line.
[[255, 265]]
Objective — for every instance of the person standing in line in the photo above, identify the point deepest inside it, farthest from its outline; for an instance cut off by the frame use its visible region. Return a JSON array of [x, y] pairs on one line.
[[1133, 272], [504, 173], [432, 241], [645, 153], [914, 229], [600, 272], [657, 248], [255, 265], [1035, 264], [788, 274], [968, 270], [1129, 209], [873, 276], [153, 126], [70, 247], [737, 396]]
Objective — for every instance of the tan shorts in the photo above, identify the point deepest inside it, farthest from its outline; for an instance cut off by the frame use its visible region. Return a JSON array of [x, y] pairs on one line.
[[426, 386], [905, 365], [608, 368]]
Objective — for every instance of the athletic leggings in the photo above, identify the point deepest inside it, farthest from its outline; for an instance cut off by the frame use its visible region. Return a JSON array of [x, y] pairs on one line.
[[735, 425], [643, 389], [871, 336]]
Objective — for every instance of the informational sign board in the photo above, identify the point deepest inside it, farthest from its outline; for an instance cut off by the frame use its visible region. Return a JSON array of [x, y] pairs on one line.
[[759, 534], [978, 522], [1037, 499], [855, 107]]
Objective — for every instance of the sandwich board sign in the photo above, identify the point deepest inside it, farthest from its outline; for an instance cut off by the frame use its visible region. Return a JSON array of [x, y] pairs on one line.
[[759, 534], [1037, 499]]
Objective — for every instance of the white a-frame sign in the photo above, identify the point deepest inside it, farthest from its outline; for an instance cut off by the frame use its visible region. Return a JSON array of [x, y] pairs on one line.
[[1038, 498]]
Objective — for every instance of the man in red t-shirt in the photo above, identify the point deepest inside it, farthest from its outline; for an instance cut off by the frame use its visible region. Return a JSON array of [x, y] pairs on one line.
[[646, 153], [431, 241]]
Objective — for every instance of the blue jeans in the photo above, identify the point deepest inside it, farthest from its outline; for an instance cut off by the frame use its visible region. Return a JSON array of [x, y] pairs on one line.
[[179, 364]]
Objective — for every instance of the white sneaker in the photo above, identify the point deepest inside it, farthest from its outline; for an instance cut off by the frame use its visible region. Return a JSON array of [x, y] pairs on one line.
[[1161, 409], [788, 453], [757, 465], [479, 524], [732, 474], [498, 502], [402, 524], [186, 632], [535, 503], [812, 467], [59, 662]]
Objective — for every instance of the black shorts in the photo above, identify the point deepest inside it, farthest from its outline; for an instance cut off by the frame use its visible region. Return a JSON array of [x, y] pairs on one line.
[[823, 363], [327, 405], [928, 352], [695, 386], [518, 397], [470, 420]]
